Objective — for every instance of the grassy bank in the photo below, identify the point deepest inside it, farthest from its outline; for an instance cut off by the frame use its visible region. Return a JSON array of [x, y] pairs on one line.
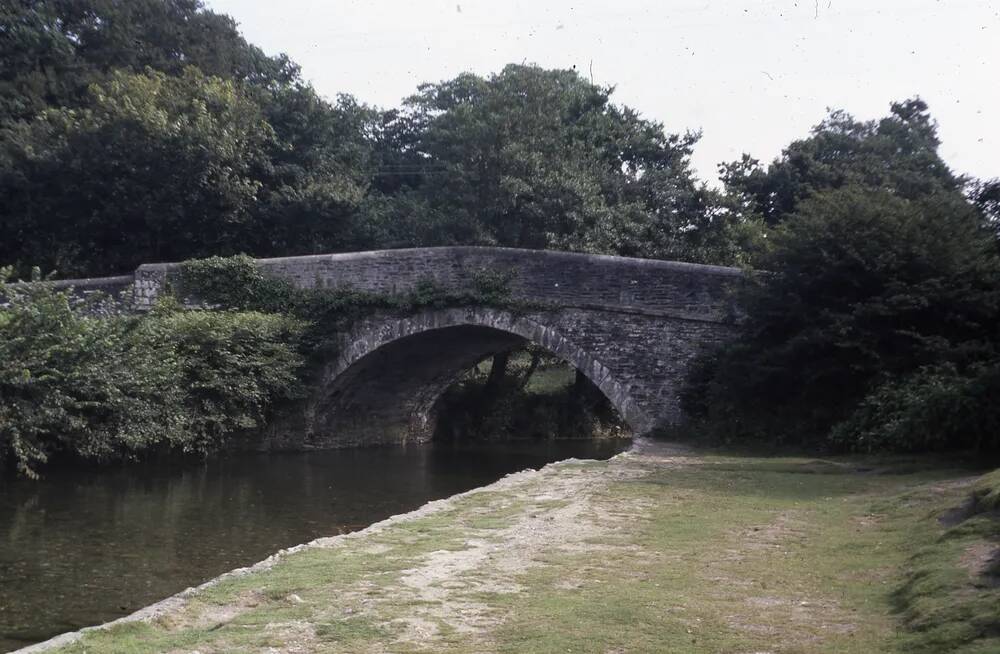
[[654, 551]]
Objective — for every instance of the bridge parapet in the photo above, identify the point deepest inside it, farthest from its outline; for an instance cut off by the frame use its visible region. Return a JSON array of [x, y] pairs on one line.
[[664, 288]]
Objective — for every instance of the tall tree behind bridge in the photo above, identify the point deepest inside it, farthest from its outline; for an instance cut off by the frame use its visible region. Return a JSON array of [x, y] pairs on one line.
[[54, 49], [897, 152], [541, 158]]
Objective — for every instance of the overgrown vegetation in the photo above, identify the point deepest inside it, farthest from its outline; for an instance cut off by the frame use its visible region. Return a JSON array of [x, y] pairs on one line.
[[99, 384], [114, 386], [238, 283], [876, 324]]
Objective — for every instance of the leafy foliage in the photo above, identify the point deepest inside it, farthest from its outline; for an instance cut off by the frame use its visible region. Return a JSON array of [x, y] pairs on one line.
[[77, 384], [150, 131], [935, 408], [107, 387], [157, 166], [231, 365], [540, 158], [53, 50], [876, 323], [862, 286], [237, 282], [898, 152]]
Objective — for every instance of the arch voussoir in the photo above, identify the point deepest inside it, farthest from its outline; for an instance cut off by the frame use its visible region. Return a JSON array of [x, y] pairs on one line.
[[377, 335]]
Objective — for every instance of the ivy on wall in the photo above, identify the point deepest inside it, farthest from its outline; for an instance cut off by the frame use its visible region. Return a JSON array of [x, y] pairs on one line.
[[238, 283]]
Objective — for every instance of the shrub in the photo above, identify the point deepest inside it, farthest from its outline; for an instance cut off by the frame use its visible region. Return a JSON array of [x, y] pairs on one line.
[[936, 408], [234, 282], [232, 366], [863, 285], [78, 384], [102, 387]]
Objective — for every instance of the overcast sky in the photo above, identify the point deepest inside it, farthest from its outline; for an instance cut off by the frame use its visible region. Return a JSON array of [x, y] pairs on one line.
[[751, 75]]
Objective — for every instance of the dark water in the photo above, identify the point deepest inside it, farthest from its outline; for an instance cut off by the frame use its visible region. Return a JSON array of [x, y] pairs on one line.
[[83, 547]]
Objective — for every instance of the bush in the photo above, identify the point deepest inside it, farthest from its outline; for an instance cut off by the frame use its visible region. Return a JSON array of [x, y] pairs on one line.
[[78, 384], [936, 408], [234, 282], [114, 386], [231, 365], [862, 286]]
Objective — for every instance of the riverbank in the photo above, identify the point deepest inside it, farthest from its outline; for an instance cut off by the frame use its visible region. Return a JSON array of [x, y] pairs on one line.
[[656, 550]]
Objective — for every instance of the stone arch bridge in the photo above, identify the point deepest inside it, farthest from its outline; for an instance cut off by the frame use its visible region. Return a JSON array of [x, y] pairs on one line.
[[631, 326]]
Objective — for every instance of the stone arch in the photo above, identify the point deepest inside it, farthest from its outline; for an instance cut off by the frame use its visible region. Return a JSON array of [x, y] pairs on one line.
[[500, 329]]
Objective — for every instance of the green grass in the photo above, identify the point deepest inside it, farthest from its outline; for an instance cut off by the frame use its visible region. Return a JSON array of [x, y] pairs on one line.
[[986, 493], [732, 551], [719, 554], [950, 599]]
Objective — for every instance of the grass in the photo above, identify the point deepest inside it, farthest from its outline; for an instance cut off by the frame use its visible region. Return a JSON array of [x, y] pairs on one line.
[[701, 555], [950, 600], [986, 494], [736, 557]]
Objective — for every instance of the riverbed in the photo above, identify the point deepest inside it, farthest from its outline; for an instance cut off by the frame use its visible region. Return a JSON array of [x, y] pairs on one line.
[[82, 547]]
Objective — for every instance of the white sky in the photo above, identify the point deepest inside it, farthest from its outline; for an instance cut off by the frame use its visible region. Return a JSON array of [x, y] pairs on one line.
[[752, 75]]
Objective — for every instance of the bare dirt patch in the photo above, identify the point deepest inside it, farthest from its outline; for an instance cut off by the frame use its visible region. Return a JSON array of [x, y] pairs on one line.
[[556, 515], [980, 559]]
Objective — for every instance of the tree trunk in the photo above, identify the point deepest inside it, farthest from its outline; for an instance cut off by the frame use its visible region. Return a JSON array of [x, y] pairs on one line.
[[498, 370], [536, 358]]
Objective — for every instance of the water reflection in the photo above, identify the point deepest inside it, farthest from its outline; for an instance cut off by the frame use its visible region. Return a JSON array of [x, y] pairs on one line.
[[83, 547]]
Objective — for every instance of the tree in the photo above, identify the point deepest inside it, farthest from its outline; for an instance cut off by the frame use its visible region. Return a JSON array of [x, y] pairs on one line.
[[985, 195], [862, 286], [541, 158], [158, 168], [320, 172], [53, 50], [898, 152]]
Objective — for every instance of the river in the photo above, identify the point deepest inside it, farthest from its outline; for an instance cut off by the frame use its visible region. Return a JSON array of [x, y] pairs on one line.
[[86, 546]]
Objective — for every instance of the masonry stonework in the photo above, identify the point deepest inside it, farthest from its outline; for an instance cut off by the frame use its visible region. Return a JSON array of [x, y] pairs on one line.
[[631, 326]]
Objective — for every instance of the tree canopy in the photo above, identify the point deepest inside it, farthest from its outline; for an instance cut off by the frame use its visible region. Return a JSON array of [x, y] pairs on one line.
[[53, 50], [543, 159], [899, 151], [881, 295]]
